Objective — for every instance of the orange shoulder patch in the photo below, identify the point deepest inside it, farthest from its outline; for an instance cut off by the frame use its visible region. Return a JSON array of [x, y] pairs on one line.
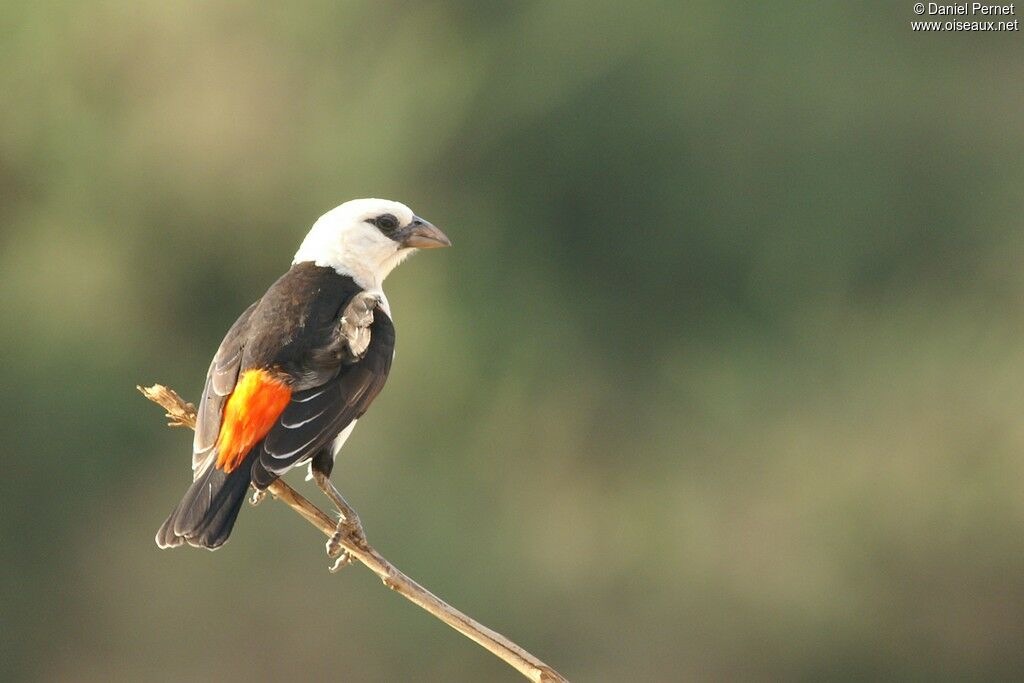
[[257, 401]]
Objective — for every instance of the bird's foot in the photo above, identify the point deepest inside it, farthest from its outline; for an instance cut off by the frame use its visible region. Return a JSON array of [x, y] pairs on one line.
[[343, 560], [351, 530], [257, 497], [349, 527]]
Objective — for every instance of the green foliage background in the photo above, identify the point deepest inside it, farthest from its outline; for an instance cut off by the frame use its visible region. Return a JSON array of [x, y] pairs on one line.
[[721, 381]]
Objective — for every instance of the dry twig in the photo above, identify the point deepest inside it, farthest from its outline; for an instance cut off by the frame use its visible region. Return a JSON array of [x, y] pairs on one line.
[[183, 414]]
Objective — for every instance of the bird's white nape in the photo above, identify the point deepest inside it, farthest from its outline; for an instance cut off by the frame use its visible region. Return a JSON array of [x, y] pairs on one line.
[[342, 239]]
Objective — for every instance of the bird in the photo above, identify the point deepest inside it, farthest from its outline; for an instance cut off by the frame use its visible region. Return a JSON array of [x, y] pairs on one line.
[[298, 369]]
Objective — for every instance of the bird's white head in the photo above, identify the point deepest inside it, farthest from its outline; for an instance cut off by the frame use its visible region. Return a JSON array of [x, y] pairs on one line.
[[367, 238]]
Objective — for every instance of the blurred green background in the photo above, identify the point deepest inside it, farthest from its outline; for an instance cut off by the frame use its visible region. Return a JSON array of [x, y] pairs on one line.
[[721, 381]]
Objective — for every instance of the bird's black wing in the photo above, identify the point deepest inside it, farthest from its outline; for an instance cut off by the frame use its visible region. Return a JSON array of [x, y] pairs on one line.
[[315, 416], [220, 382]]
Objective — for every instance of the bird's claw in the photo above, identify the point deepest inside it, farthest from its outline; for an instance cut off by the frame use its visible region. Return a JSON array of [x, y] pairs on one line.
[[257, 497], [344, 559], [348, 529], [335, 550], [351, 530]]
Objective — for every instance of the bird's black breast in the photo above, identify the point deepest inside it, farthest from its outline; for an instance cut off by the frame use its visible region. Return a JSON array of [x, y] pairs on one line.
[[297, 315]]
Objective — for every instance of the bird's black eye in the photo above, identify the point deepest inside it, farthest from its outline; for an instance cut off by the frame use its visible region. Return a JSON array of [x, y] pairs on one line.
[[386, 222]]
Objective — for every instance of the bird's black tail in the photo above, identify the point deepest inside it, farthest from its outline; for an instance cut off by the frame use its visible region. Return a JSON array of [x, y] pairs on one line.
[[205, 516]]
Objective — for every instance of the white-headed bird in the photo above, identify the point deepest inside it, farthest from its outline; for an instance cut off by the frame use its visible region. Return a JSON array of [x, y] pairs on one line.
[[298, 368]]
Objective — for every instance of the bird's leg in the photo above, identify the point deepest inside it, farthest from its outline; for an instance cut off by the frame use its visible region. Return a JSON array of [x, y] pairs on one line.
[[349, 524], [257, 496]]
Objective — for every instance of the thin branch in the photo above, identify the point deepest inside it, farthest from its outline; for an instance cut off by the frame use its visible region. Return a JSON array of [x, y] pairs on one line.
[[183, 414]]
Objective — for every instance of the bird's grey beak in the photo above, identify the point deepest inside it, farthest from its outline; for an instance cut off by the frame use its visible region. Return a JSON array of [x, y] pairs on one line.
[[421, 234]]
